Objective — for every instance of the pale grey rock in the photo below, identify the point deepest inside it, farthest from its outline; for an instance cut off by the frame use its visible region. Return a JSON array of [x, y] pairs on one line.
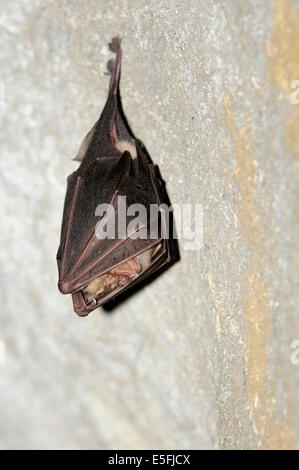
[[201, 357]]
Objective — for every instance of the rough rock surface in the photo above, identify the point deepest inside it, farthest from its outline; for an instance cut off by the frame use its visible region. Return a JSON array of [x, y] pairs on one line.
[[200, 358]]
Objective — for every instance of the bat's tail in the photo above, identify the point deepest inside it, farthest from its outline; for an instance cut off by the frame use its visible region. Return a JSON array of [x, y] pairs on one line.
[[114, 65]]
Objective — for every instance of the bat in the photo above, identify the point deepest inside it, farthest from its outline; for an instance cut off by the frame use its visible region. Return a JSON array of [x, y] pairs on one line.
[[114, 176]]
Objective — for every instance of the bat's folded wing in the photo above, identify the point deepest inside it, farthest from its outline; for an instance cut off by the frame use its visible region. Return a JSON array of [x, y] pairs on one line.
[[102, 252]]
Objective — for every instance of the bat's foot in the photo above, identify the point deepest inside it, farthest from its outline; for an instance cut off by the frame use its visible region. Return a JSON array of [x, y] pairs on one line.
[[113, 66], [114, 45]]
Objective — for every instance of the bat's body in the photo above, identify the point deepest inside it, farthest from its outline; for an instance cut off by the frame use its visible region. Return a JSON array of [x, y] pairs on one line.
[[113, 164]]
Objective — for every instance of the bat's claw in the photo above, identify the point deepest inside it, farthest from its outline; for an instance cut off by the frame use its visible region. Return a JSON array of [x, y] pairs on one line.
[[113, 66], [114, 45]]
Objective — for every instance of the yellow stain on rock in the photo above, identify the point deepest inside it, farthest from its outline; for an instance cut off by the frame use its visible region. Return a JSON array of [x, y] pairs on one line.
[[271, 430], [283, 63], [292, 131], [257, 313], [282, 48], [257, 316], [245, 173]]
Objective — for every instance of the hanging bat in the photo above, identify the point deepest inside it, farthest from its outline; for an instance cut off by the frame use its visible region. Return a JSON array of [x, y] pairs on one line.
[[114, 167]]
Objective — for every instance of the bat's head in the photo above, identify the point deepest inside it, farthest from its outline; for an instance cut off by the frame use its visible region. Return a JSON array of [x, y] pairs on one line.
[[89, 296]]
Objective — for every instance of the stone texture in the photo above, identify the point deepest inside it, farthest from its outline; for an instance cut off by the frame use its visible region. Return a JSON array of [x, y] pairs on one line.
[[200, 358]]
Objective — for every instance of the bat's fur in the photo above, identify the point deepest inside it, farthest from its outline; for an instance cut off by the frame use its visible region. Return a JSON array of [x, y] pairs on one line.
[[117, 277]]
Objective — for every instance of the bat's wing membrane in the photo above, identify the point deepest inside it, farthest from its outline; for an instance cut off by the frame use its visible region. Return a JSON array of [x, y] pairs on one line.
[[83, 255], [85, 144], [84, 192]]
